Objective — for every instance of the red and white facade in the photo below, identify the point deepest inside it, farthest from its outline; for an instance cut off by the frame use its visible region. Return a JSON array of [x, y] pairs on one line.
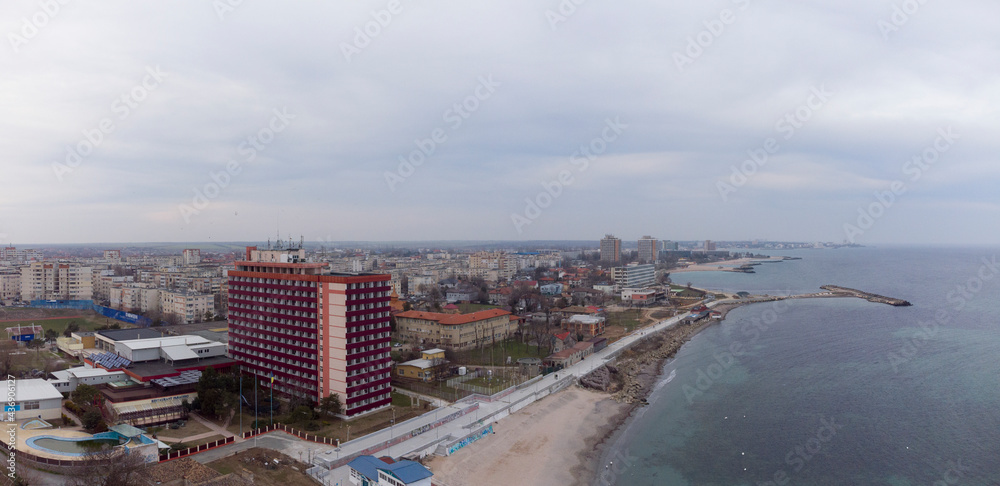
[[318, 332]]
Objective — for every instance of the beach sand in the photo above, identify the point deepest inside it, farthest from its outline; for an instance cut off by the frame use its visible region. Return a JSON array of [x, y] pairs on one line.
[[553, 441], [727, 265]]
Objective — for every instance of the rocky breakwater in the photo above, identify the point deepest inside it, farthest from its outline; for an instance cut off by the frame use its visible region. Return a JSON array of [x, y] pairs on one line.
[[878, 299], [631, 377]]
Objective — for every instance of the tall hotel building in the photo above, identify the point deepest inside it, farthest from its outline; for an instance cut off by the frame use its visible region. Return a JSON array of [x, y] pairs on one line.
[[611, 249], [318, 332]]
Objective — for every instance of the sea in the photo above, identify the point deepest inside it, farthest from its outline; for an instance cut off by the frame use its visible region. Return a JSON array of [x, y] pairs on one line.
[[831, 391]]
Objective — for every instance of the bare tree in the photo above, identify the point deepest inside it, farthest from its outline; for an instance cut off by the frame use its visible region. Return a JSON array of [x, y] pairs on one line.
[[107, 466]]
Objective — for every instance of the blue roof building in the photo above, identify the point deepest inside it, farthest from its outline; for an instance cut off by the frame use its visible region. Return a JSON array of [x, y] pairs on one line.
[[370, 471]]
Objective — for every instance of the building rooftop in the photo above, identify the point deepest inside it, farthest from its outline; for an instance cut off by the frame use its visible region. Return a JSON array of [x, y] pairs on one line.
[[130, 334], [405, 471], [35, 389], [454, 319], [163, 342]]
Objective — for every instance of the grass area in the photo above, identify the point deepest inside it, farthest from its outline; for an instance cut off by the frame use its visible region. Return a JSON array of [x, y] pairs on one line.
[[88, 323], [497, 354], [628, 319], [435, 389], [281, 476], [192, 427], [336, 428], [469, 307]]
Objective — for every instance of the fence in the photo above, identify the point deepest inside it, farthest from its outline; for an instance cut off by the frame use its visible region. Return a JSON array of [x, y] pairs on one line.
[[47, 461], [115, 314], [194, 450]]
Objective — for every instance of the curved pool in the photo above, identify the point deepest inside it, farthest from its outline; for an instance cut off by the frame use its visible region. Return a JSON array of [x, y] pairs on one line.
[[68, 446]]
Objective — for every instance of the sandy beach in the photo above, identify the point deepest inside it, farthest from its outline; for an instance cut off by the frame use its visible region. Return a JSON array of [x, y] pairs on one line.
[[554, 441], [727, 266], [562, 438]]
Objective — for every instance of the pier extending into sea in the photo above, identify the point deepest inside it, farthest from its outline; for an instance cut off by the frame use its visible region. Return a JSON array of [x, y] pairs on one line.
[[878, 299]]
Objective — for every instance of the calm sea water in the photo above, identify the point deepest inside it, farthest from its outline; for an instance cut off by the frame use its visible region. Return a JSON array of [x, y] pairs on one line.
[[832, 391]]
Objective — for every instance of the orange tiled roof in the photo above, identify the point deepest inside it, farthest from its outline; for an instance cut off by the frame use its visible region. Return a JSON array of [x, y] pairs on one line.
[[454, 319]]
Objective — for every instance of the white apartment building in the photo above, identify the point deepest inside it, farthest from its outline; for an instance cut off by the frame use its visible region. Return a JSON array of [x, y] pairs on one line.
[[188, 306], [634, 275], [495, 265], [66, 281], [10, 285]]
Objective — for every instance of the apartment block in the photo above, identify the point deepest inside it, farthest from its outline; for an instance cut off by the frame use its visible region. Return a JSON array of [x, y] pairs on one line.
[[10, 285], [634, 275], [68, 281], [611, 249], [647, 249], [315, 332], [191, 256], [188, 306], [492, 265]]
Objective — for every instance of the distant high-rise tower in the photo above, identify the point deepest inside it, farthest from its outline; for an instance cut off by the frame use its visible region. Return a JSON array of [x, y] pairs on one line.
[[670, 245], [611, 249], [647, 249], [709, 245]]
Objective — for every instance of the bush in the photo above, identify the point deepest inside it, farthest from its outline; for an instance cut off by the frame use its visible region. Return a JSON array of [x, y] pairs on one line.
[[180, 446], [68, 421], [312, 426], [92, 420], [74, 408]]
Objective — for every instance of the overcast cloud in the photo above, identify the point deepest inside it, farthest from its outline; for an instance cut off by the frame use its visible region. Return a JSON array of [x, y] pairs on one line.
[[669, 96]]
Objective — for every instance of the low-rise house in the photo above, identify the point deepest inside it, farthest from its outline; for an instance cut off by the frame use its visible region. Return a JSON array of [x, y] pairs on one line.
[[35, 398], [429, 366], [570, 356], [551, 289], [586, 325], [370, 471]]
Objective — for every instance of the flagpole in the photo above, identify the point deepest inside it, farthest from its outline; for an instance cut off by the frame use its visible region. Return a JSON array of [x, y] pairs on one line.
[[256, 421], [272, 398], [239, 402]]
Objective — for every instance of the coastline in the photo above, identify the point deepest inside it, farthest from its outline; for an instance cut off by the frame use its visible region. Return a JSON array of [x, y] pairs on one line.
[[564, 438], [649, 375]]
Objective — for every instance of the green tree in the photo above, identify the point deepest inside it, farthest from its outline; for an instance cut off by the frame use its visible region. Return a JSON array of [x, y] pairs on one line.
[[331, 405], [91, 419], [72, 327], [84, 395], [51, 334]]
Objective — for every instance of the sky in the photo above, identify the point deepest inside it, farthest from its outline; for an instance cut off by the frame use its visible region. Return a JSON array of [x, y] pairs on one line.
[[867, 121]]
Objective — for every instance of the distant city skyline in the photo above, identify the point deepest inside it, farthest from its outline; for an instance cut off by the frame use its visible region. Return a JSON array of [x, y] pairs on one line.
[[515, 121]]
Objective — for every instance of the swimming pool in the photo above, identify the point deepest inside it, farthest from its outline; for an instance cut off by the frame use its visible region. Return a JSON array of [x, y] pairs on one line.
[[67, 446]]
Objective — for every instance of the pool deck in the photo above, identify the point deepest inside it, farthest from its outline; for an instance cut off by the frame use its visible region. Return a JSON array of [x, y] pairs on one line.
[[24, 435]]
